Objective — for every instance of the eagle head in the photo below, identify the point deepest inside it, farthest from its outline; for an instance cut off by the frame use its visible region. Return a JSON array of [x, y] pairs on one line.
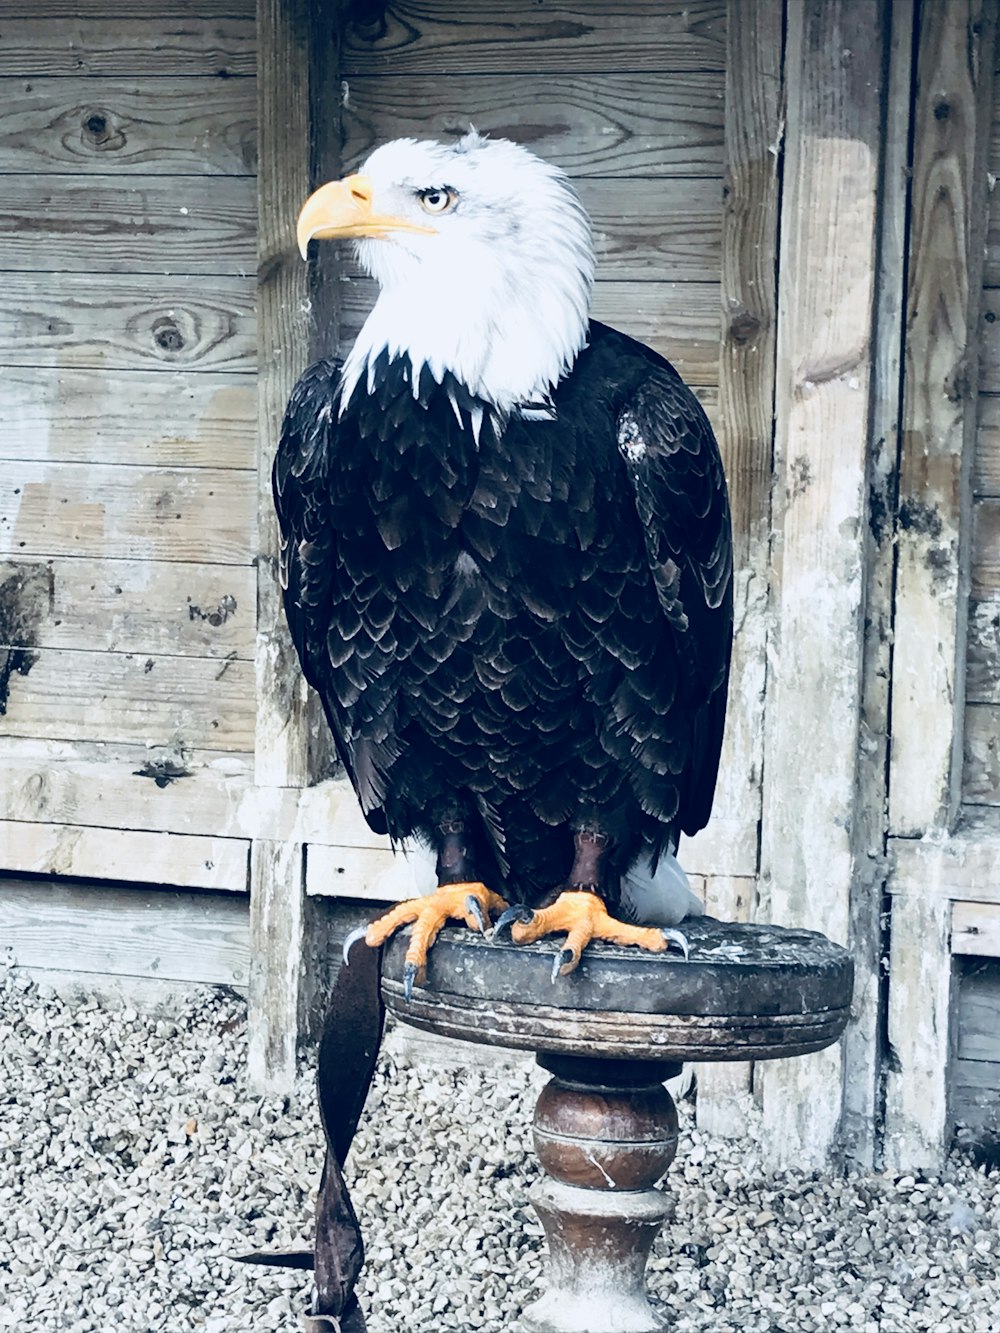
[[483, 256]]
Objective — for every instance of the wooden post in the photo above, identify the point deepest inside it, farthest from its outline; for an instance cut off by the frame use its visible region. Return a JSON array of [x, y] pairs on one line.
[[947, 236], [746, 398], [834, 82], [277, 946], [949, 214], [863, 1041], [919, 1027], [295, 46]]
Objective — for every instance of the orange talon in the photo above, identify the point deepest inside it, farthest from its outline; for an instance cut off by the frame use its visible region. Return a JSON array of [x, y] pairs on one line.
[[448, 902], [584, 917]]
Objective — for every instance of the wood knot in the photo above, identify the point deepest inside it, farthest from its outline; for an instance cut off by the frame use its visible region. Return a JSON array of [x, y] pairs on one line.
[[99, 131], [942, 110], [168, 336], [744, 328]]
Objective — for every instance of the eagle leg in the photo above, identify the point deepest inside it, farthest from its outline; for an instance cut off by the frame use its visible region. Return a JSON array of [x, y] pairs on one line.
[[579, 910], [584, 917], [470, 902]]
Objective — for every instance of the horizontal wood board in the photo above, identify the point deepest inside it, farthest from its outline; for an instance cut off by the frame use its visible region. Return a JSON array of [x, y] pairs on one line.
[[621, 125], [103, 224], [134, 418], [981, 773], [126, 855], [175, 787], [103, 511], [69, 695], [975, 1074], [436, 37], [128, 322], [128, 606], [33, 46], [986, 465], [173, 127], [975, 930], [126, 931]]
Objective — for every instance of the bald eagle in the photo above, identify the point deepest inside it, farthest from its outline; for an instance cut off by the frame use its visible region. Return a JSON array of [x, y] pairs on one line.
[[507, 559]]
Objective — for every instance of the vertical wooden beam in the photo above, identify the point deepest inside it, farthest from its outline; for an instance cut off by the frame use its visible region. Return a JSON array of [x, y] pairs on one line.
[[949, 218], [746, 406], [919, 1030], [296, 68], [284, 340], [829, 214], [277, 946], [863, 1041], [949, 214]]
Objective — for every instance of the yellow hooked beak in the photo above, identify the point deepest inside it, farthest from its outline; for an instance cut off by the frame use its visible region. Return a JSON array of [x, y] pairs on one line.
[[345, 209]]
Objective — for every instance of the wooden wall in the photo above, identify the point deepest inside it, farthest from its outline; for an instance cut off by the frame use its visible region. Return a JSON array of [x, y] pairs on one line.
[[127, 395], [981, 778], [975, 1095]]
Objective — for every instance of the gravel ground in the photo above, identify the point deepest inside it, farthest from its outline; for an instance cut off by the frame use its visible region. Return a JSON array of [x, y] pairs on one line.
[[133, 1160]]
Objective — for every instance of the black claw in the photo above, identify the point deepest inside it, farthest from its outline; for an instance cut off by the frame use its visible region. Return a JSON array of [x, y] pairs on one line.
[[501, 931], [409, 977], [563, 957], [351, 940], [677, 938], [475, 908]]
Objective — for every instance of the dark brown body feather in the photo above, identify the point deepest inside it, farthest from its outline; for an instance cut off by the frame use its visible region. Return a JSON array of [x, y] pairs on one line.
[[533, 632]]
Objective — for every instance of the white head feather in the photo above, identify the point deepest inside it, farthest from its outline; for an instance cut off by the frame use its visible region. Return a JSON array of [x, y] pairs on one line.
[[499, 295]]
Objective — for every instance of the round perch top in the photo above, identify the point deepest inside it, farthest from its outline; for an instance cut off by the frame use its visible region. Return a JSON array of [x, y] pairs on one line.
[[747, 992]]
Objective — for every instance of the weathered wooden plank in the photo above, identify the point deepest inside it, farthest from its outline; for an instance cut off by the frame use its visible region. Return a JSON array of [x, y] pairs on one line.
[[744, 421], [128, 606], [140, 417], [982, 676], [158, 224], [962, 868], [823, 432], [977, 1036], [184, 126], [919, 1031], [60, 694], [127, 46], [986, 549], [989, 340], [981, 771], [172, 787], [277, 942], [644, 230], [679, 319], [951, 117], [863, 1042], [72, 9], [975, 929], [105, 511], [287, 716], [169, 936], [986, 469], [435, 37], [594, 125], [127, 323], [125, 855], [364, 872]]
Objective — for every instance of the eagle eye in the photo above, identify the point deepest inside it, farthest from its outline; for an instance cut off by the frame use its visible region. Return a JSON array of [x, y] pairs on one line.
[[438, 199]]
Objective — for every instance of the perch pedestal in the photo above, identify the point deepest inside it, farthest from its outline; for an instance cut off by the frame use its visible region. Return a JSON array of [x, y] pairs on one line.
[[610, 1034]]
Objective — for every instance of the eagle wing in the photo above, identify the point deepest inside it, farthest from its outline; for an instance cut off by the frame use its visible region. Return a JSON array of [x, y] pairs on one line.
[[308, 555], [674, 465]]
